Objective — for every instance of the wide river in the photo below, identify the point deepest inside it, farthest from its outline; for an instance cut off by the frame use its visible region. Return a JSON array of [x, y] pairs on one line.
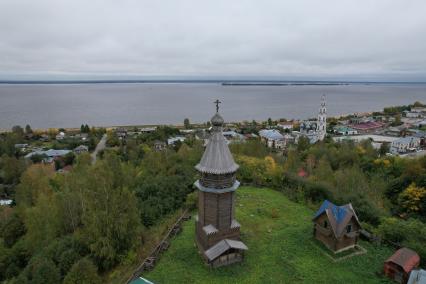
[[110, 104]]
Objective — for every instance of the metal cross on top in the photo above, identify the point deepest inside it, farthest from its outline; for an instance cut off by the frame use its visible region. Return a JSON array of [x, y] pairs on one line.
[[217, 102]]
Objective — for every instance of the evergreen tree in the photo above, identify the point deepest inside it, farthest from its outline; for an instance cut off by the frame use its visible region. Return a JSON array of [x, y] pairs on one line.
[[28, 129], [186, 123]]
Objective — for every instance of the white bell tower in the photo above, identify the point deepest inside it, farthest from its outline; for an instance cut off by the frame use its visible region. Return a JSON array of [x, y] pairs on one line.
[[322, 120]]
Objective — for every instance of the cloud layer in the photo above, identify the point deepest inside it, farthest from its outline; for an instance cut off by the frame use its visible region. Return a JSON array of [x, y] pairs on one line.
[[315, 39]]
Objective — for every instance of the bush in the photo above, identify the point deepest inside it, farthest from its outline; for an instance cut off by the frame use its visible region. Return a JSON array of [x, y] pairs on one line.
[[410, 233]]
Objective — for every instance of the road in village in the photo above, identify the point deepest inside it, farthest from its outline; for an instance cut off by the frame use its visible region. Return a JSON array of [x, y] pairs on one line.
[[101, 145]]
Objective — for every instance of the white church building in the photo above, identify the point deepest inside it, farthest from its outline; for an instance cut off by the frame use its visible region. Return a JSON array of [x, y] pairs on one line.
[[315, 130]]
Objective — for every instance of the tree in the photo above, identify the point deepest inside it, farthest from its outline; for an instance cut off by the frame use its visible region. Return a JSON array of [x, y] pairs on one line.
[[11, 228], [43, 222], [293, 163], [11, 169], [110, 218], [28, 129], [397, 121], [303, 144], [323, 171], [418, 104], [34, 182], [83, 272], [186, 123], [384, 148], [42, 271], [270, 121], [18, 130], [412, 198]]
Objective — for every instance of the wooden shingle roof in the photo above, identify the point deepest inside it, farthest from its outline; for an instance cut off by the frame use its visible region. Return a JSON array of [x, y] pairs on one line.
[[217, 159]]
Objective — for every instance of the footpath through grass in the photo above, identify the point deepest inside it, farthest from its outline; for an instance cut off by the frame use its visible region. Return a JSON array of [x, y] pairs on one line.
[[278, 233]]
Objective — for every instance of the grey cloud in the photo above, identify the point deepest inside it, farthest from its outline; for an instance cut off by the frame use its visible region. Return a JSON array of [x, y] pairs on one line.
[[213, 38]]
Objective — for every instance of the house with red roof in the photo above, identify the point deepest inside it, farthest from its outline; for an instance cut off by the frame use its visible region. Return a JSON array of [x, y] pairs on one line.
[[337, 227], [400, 264]]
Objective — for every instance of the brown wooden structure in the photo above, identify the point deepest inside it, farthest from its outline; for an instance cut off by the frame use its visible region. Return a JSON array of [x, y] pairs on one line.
[[337, 227], [217, 230], [400, 264]]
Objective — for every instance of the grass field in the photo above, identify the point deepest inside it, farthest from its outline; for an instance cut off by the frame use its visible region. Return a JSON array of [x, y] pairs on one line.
[[278, 233]]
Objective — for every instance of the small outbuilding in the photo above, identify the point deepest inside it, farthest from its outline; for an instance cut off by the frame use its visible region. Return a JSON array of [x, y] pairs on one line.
[[337, 227], [400, 264], [81, 149]]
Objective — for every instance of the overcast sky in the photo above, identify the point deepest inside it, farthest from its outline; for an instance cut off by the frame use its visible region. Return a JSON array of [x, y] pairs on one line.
[[285, 39]]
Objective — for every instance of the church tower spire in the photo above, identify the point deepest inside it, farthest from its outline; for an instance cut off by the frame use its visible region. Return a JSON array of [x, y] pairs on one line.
[[322, 120], [217, 230]]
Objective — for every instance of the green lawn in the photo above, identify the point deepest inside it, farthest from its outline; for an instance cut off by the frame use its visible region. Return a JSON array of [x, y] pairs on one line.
[[278, 233]]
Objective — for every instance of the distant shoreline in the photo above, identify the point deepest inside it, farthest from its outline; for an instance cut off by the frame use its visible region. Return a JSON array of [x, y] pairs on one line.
[[221, 82]]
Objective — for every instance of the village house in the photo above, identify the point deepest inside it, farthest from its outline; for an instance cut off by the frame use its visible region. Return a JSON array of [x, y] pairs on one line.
[[233, 137], [81, 136], [404, 145], [202, 135], [21, 147], [49, 155], [121, 132], [366, 125], [6, 202], [60, 136], [422, 136], [44, 138], [337, 227], [186, 131], [412, 114], [395, 130], [286, 125], [344, 130], [81, 149], [147, 129], [400, 264], [174, 140], [159, 145], [251, 136], [273, 138]]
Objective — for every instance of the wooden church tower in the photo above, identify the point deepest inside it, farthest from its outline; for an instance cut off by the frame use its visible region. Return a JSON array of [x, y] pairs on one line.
[[217, 231]]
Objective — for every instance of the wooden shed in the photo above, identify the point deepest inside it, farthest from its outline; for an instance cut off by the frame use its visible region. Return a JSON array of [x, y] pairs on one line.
[[400, 264], [337, 227]]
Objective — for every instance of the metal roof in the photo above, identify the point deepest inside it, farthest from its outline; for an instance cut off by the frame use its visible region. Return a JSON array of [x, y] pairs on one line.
[[217, 159], [271, 134], [222, 247], [406, 258], [338, 216], [407, 140]]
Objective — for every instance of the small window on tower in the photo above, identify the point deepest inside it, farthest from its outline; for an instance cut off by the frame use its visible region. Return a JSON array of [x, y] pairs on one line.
[[348, 228], [325, 224]]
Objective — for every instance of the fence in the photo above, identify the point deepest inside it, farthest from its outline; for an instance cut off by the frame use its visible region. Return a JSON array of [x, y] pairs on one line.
[[149, 262]]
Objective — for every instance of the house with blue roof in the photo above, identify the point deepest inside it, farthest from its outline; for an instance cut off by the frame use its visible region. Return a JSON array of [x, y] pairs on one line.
[[337, 227]]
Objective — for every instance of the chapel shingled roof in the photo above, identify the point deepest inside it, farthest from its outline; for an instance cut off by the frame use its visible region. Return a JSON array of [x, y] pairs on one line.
[[217, 159]]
